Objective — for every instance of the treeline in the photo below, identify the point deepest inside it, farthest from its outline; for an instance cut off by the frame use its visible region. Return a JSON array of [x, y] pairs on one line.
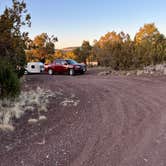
[[42, 48], [116, 50], [120, 52]]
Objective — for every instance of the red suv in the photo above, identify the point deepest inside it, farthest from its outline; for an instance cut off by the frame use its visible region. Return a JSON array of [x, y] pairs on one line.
[[65, 66]]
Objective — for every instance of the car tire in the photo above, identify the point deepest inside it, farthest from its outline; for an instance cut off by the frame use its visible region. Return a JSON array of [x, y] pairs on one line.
[[82, 72], [50, 71], [71, 72]]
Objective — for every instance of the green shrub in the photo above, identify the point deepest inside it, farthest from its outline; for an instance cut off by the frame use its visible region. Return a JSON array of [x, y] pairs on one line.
[[9, 82]]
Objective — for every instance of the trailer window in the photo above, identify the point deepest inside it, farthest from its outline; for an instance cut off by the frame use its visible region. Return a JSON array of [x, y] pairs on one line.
[[33, 66]]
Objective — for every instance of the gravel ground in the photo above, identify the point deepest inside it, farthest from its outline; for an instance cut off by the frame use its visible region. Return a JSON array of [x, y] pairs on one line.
[[95, 121]]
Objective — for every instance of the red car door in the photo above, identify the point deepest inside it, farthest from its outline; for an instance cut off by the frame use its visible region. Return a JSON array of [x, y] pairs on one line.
[[57, 66], [64, 66]]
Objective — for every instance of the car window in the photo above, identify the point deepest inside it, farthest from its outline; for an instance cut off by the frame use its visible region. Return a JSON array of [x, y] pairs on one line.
[[71, 62], [58, 61], [63, 62]]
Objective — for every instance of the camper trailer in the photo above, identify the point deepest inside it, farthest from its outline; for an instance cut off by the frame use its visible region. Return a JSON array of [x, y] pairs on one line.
[[34, 67]]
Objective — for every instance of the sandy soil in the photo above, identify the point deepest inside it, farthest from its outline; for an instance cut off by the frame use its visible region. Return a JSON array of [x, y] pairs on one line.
[[119, 121]]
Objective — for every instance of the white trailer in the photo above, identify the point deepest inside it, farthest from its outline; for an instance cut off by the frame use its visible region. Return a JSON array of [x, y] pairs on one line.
[[34, 67]]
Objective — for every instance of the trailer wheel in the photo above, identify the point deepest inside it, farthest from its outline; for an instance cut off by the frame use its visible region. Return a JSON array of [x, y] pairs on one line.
[[25, 72]]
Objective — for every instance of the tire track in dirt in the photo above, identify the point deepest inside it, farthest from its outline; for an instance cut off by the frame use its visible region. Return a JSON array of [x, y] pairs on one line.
[[120, 121], [132, 132]]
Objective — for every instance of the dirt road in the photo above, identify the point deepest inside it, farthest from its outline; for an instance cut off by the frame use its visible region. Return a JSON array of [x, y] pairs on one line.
[[119, 121]]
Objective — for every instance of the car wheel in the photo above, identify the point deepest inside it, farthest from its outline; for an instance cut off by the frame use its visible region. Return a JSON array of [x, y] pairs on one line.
[[82, 72], [50, 72], [71, 72]]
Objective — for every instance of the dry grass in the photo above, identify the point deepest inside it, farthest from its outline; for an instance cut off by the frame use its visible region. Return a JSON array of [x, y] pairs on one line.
[[32, 121], [70, 101], [6, 127], [34, 100], [42, 118]]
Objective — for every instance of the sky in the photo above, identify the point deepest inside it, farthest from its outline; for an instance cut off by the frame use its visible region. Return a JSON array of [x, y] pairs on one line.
[[73, 21]]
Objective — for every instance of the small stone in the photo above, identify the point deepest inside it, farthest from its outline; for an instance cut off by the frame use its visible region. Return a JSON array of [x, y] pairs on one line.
[[103, 73], [158, 141], [32, 121], [42, 118], [139, 72], [164, 72], [151, 72], [146, 160], [128, 74], [159, 67]]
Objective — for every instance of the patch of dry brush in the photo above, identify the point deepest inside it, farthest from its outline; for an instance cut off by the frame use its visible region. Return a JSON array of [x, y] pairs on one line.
[[28, 101]]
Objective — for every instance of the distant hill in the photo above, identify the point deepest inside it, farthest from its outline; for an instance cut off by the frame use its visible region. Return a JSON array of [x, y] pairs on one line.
[[68, 49]]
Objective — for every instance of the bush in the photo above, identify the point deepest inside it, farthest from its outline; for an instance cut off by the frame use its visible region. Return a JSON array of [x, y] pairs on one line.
[[9, 82], [20, 71]]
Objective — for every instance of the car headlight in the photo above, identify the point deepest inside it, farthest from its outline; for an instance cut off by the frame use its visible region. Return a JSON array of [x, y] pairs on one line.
[[77, 67]]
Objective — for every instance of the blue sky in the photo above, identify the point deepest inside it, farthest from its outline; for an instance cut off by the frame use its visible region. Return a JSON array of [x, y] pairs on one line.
[[73, 21]]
